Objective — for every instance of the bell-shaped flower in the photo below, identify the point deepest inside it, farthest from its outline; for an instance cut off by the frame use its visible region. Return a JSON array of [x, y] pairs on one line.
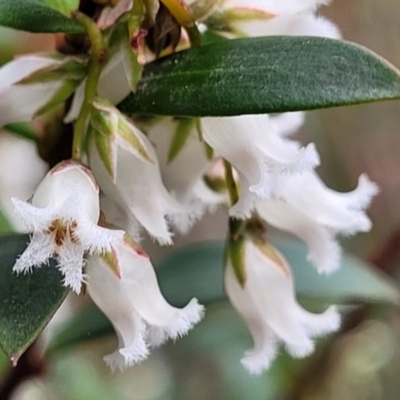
[[258, 153], [266, 300], [126, 167], [124, 286], [62, 216], [305, 207], [271, 17], [32, 84]]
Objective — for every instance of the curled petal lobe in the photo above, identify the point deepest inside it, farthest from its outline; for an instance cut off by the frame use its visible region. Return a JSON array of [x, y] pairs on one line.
[[258, 153], [323, 251], [267, 303], [134, 304], [340, 212]]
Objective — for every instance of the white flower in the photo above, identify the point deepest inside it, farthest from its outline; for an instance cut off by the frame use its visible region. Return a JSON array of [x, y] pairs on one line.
[[258, 153], [124, 286], [21, 101], [134, 183], [277, 17], [62, 216], [266, 301], [305, 207]]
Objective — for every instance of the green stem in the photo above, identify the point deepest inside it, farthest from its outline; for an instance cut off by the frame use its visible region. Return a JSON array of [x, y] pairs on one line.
[[194, 35], [136, 18], [236, 226], [230, 183], [96, 61]]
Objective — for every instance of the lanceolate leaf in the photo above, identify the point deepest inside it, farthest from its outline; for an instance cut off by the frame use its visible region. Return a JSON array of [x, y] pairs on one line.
[[27, 302], [197, 271], [35, 16], [263, 75]]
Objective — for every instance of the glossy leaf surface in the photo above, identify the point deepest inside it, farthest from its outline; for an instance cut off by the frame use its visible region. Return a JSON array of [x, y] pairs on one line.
[[263, 75]]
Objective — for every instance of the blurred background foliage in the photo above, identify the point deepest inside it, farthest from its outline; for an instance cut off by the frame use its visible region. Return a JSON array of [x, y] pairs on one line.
[[361, 362]]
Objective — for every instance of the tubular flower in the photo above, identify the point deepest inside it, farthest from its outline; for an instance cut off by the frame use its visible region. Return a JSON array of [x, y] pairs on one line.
[[126, 167], [266, 301], [124, 286], [62, 216], [305, 207], [258, 153]]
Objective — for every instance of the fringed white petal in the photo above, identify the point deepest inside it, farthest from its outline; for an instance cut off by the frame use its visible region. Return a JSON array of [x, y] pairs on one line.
[[96, 239], [39, 250], [134, 304], [113, 298], [63, 218], [34, 219], [340, 212], [138, 274], [256, 151], [70, 258], [265, 348], [137, 351], [139, 191], [267, 302], [323, 251]]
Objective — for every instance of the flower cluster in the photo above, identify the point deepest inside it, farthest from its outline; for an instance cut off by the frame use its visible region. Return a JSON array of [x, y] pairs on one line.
[[161, 176]]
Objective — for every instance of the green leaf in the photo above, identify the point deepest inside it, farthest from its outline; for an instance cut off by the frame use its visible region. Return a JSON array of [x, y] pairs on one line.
[[197, 271], [27, 302], [5, 225], [35, 16], [182, 133], [263, 75], [22, 129]]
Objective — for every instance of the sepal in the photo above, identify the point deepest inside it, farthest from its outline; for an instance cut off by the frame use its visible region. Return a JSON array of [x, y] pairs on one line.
[[183, 129], [66, 68]]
